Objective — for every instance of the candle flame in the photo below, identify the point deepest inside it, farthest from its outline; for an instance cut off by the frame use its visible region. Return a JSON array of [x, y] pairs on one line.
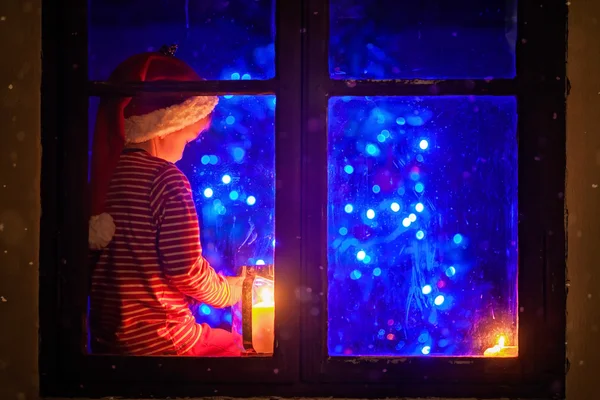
[[266, 295], [501, 341], [497, 348]]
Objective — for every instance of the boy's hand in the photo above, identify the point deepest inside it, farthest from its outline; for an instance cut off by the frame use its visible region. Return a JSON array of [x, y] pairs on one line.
[[236, 284]]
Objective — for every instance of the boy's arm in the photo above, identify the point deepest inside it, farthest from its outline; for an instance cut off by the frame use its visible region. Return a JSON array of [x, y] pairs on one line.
[[179, 247]]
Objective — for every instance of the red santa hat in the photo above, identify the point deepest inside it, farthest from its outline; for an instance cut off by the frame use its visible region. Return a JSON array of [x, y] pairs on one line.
[[125, 120]]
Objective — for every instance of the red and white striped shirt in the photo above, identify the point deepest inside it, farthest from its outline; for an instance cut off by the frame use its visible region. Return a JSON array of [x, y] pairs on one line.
[[153, 268]]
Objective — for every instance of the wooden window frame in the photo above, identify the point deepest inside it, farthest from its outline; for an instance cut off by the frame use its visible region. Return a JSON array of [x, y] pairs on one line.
[[540, 88], [300, 365]]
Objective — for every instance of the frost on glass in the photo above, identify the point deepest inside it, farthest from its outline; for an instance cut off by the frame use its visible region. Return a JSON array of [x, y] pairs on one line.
[[232, 172], [422, 226], [221, 40], [231, 168], [389, 39]]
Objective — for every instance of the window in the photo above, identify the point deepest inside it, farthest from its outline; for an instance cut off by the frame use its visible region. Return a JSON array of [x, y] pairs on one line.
[[399, 164], [422, 225]]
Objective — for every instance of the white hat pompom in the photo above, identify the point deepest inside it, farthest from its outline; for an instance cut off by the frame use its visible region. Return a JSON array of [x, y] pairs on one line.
[[101, 231]]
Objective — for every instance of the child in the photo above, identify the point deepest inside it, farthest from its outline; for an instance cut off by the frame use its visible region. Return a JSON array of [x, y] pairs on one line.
[[144, 226]]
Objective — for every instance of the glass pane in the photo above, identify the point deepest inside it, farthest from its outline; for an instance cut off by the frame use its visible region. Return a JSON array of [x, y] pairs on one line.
[[221, 40], [422, 226], [230, 167], [428, 39]]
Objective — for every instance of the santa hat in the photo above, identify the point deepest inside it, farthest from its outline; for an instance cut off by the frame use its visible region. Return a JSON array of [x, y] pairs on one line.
[[124, 120]]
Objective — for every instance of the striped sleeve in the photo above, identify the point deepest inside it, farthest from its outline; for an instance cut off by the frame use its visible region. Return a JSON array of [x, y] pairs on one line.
[[179, 248]]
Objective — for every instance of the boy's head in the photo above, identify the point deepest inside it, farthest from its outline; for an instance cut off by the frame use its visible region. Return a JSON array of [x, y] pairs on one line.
[[171, 147], [164, 122]]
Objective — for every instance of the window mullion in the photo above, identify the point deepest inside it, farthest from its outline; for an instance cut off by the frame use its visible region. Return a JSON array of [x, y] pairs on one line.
[[316, 90], [246, 87], [447, 87], [498, 87]]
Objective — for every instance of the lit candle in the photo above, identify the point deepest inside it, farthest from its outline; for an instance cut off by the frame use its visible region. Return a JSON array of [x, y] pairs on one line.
[[501, 350], [263, 320]]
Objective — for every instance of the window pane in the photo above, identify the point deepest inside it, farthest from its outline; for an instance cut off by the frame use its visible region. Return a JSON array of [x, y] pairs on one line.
[[222, 40], [422, 226], [231, 171], [387, 39]]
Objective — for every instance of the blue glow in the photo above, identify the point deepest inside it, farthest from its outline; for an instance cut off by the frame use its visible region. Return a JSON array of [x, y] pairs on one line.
[[227, 317], [234, 195], [208, 192], [348, 208], [251, 200], [376, 189], [230, 120], [348, 169], [220, 40], [457, 239], [238, 154], [204, 309], [437, 292], [226, 179], [423, 144], [372, 150], [355, 275], [343, 231], [439, 300], [461, 39]]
